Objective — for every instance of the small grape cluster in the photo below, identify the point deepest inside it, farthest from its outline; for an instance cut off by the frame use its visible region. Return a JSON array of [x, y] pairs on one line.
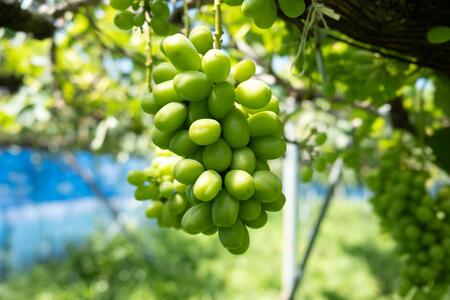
[[264, 12], [316, 160], [419, 223], [156, 183], [132, 13], [225, 129]]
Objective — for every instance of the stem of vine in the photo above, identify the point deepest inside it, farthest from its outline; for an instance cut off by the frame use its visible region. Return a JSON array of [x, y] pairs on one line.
[[149, 61], [186, 17], [218, 25]]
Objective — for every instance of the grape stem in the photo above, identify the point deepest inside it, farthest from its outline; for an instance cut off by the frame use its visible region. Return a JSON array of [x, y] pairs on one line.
[[149, 61], [186, 17], [218, 25]]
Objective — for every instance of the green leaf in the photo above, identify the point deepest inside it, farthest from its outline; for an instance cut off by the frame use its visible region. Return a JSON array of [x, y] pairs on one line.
[[440, 143], [439, 35]]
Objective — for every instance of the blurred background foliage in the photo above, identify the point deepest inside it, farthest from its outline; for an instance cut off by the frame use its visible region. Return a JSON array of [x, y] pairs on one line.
[[351, 261], [81, 90]]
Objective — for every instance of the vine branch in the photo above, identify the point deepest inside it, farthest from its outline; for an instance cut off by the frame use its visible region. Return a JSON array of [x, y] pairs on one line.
[[186, 17], [218, 25]]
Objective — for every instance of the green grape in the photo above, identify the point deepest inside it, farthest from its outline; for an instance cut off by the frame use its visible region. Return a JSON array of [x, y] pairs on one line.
[[120, 4], [167, 218], [179, 187], [160, 9], [268, 147], [263, 12], [424, 214], [202, 38], [160, 139], [181, 52], [181, 144], [259, 222], [164, 72], [233, 237], [320, 164], [217, 156], [136, 177], [437, 252], [205, 131], [198, 155], [225, 210], [149, 105], [261, 164], [267, 186], [221, 100], [124, 20], [187, 171], [197, 110], [244, 70], [135, 6], [210, 231], [320, 138], [192, 85], [207, 185], [243, 159], [164, 93], [253, 93], [412, 232], [306, 173], [276, 205], [235, 129], [292, 8], [198, 218], [264, 123], [190, 197], [239, 184], [243, 248], [145, 192], [170, 117], [177, 204], [154, 209], [250, 209], [166, 189], [216, 65], [160, 26], [139, 19], [273, 106]]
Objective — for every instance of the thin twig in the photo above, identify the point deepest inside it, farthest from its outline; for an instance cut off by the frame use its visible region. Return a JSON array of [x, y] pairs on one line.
[[149, 60], [218, 25], [186, 17]]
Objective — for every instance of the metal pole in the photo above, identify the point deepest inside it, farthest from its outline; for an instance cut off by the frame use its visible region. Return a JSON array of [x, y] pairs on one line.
[[333, 180], [290, 211]]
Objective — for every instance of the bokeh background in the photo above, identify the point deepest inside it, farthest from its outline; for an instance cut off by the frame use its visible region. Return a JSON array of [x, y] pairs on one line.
[[71, 128], [70, 229]]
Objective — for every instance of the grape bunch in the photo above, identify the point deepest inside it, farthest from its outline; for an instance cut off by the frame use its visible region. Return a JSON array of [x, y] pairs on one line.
[[132, 13], [316, 160], [156, 183], [419, 223], [264, 12], [225, 128]]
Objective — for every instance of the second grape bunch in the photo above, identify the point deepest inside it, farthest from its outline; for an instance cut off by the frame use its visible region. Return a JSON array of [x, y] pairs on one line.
[[224, 128]]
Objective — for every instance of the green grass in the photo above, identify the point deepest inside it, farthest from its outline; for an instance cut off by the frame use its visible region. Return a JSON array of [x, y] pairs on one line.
[[352, 260]]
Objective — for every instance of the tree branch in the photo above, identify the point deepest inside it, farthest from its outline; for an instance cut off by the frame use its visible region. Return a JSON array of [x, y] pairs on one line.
[[39, 24], [12, 16]]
